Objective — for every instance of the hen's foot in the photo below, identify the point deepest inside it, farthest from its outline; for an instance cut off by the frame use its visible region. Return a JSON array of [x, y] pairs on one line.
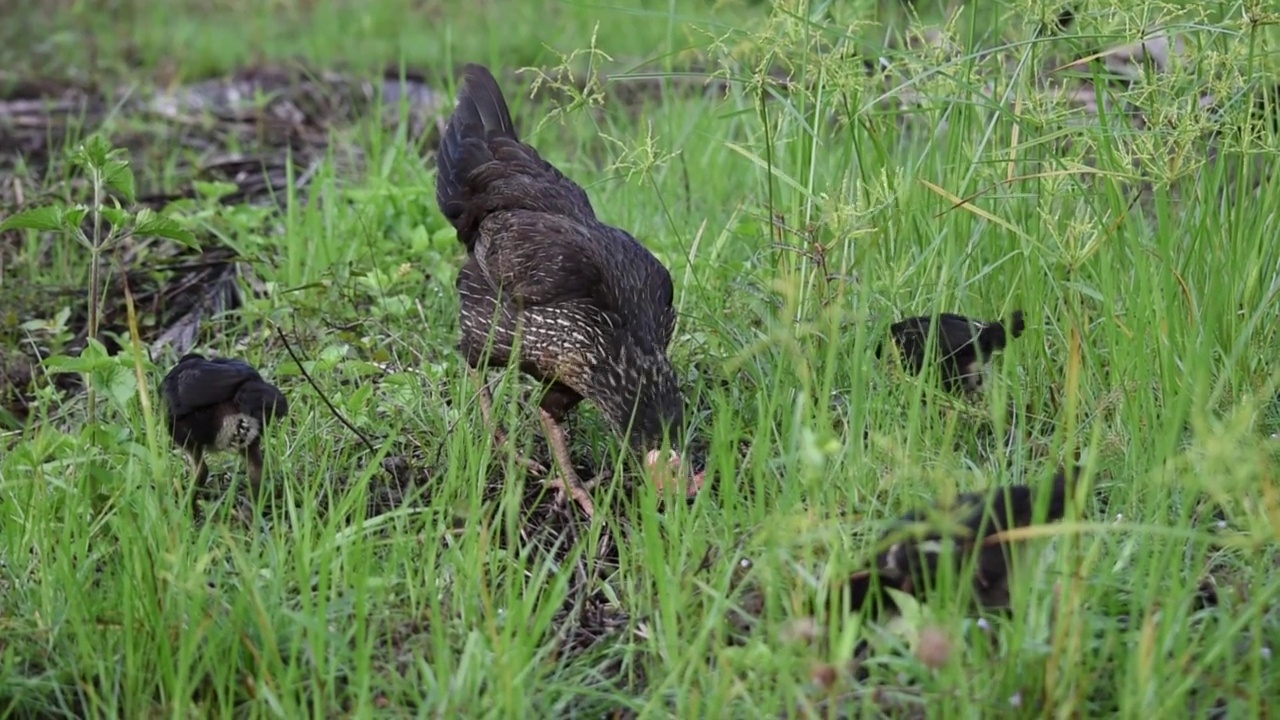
[[531, 466], [486, 407], [568, 484]]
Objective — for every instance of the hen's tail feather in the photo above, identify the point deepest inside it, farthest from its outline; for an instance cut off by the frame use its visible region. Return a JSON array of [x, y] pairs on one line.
[[481, 114], [482, 99]]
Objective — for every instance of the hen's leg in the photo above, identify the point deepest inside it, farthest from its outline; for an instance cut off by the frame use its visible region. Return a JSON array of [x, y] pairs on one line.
[[202, 474], [486, 406], [202, 470], [499, 437], [253, 458], [568, 482]]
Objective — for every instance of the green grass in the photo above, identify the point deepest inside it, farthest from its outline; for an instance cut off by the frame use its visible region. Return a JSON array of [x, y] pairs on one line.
[[1151, 351]]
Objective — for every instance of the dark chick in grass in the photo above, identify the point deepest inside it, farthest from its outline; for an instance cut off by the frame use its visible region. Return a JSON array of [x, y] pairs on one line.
[[593, 306], [220, 405], [975, 522], [963, 346]]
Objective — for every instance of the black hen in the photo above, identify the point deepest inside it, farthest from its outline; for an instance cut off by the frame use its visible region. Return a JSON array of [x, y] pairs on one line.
[[964, 345], [976, 519], [592, 305], [220, 405]]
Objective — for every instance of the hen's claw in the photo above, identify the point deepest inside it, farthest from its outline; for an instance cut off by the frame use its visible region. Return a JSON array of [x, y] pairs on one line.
[[568, 483], [564, 488]]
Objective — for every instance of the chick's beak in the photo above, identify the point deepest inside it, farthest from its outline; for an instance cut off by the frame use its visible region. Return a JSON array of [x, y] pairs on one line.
[[672, 470]]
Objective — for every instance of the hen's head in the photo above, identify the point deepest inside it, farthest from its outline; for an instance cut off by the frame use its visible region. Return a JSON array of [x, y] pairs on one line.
[[672, 470], [642, 395]]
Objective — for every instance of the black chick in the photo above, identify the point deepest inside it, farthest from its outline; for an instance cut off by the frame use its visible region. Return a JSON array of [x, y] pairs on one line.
[[964, 345], [592, 305], [1060, 23], [977, 518], [220, 405]]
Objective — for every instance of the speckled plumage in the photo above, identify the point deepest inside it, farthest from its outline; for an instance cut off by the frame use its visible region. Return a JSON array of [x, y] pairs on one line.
[[220, 405], [911, 565], [964, 345], [594, 306]]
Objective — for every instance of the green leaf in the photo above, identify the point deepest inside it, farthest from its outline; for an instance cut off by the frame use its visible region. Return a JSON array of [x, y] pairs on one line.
[[334, 353], [60, 320], [57, 324], [74, 216], [213, 190], [118, 217], [68, 364], [444, 238], [92, 153], [362, 368], [119, 176], [95, 350], [152, 224], [396, 304], [40, 218], [119, 384], [358, 400], [86, 154], [907, 623]]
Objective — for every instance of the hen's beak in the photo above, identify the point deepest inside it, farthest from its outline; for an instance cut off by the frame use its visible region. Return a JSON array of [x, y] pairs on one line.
[[662, 473]]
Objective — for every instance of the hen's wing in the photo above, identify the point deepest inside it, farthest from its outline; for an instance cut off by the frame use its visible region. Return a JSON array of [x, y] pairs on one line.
[[539, 258], [663, 302], [205, 384]]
